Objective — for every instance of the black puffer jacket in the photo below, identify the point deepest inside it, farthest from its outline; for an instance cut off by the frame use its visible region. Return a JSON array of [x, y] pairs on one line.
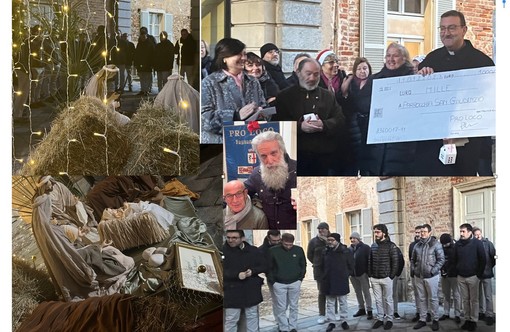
[[386, 158], [314, 252], [448, 269], [469, 257], [242, 293], [383, 259]]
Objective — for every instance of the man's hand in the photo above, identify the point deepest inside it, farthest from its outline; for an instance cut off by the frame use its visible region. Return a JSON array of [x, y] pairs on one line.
[[312, 126], [425, 71]]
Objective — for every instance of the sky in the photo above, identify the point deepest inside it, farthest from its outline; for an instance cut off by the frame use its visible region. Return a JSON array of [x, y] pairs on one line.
[[503, 154]]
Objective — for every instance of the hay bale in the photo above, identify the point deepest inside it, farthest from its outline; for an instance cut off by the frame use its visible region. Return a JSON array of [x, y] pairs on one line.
[[152, 130], [29, 287], [89, 154]]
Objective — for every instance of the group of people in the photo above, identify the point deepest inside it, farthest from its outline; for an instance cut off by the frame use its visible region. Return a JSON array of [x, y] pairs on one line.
[[332, 109], [463, 268], [41, 63]]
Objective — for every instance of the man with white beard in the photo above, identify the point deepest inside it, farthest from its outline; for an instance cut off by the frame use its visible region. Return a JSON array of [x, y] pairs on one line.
[[271, 182], [319, 116]]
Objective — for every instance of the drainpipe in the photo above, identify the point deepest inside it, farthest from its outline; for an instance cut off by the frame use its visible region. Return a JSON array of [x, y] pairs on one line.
[[335, 28]]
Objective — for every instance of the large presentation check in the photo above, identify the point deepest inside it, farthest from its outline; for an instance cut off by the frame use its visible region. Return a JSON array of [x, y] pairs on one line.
[[452, 104]]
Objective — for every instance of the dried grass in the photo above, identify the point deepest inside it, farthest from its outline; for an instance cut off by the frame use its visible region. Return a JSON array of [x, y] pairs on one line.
[[29, 287], [151, 130], [89, 154]]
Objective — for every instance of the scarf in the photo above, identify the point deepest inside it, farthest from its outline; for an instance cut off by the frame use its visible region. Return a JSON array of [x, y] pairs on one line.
[[231, 218], [332, 84], [237, 78]]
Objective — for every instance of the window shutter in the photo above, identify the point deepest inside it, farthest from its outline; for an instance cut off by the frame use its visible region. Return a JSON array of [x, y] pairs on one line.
[[366, 226], [144, 19], [339, 225], [169, 26], [442, 7], [373, 32], [315, 222]]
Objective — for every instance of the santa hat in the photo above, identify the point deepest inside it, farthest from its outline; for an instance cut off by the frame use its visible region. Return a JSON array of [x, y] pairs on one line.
[[323, 55]]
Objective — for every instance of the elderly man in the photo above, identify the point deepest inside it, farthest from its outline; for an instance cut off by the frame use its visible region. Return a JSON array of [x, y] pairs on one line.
[[272, 181], [240, 212], [457, 53], [320, 119], [270, 54], [293, 78], [426, 262], [242, 284]]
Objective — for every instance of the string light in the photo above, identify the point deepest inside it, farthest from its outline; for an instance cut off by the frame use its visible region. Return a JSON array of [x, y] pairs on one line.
[[167, 150]]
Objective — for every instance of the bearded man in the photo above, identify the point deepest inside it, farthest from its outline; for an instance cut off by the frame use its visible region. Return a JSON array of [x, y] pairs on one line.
[[320, 120], [240, 213], [272, 180]]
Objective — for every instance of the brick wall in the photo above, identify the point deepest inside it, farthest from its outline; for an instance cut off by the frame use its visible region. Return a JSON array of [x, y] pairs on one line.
[[478, 14], [348, 33]]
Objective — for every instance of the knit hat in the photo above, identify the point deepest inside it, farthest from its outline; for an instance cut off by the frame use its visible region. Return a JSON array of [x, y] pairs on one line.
[[336, 236], [323, 55], [445, 238], [355, 235], [266, 48], [323, 225]]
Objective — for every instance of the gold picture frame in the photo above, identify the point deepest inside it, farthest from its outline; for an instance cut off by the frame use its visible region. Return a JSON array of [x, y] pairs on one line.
[[199, 269]]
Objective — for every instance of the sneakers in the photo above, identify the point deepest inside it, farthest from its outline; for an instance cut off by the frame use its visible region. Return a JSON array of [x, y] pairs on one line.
[[419, 325], [322, 320], [396, 316], [369, 315], [489, 320], [345, 326], [457, 319], [330, 328], [416, 318], [377, 324], [361, 312], [429, 318], [435, 325], [388, 325], [444, 317]]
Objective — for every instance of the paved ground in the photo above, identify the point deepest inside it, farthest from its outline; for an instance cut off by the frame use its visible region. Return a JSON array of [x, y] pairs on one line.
[[308, 315]]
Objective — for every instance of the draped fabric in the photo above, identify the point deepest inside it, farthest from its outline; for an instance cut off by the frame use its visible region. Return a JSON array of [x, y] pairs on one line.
[[69, 271]]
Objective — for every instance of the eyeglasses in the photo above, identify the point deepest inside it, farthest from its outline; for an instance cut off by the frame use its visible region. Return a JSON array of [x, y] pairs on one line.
[[450, 28], [230, 197]]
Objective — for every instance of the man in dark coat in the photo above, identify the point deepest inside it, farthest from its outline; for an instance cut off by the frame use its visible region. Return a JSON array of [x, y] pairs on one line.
[[359, 276], [382, 268], [186, 49], [486, 300], [337, 265], [272, 180], [273, 238], [314, 253], [469, 259], [319, 118], [449, 284], [293, 78], [270, 54], [144, 59], [457, 53], [163, 59], [242, 285], [120, 58], [130, 56]]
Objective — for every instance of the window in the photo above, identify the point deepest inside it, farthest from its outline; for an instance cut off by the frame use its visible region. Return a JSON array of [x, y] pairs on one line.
[[414, 46], [360, 221], [406, 6], [155, 23]]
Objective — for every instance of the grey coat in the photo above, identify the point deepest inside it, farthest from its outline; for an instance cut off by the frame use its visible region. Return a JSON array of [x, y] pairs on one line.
[[427, 258], [222, 100]]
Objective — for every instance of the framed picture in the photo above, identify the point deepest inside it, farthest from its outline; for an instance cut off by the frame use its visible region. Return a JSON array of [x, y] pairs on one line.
[[199, 269]]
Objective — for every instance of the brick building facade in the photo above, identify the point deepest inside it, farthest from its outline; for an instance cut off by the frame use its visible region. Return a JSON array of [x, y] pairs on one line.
[[356, 204]]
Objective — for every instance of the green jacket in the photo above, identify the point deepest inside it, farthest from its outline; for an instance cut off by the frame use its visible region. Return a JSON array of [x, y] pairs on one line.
[[287, 266]]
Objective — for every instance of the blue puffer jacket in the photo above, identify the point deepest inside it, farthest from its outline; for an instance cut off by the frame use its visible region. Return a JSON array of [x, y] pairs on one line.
[[427, 258]]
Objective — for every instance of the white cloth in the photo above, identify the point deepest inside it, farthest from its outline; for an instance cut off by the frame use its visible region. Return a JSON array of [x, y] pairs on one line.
[[180, 98]]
